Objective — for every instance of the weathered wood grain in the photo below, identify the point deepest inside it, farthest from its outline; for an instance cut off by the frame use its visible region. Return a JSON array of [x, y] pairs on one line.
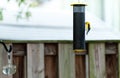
[[87, 66], [51, 60], [19, 49], [80, 66], [3, 61], [35, 60], [111, 66], [111, 60], [66, 61], [19, 53], [1, 51], [111, 48], [19, 62], [118, 60], [97, 60], [51, 48], [51, 66], [25, 66]]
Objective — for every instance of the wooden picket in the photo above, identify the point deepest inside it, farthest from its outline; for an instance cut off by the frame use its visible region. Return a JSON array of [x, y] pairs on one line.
[[35, 60], [97, 60], [66, 61]]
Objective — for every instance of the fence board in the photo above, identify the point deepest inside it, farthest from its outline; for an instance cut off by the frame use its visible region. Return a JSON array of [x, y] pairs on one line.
[[110, 48], [3, 61], [80, 66], [19, 49], [19, 62], [51, 60], [119, 60], [66, 61], [35, 60], [51, 48], [25, 66], [111, 66], [19, 53], [97, 60], [51, 66]]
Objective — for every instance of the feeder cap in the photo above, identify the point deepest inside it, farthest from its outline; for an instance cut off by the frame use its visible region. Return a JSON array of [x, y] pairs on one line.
[[78, 4]]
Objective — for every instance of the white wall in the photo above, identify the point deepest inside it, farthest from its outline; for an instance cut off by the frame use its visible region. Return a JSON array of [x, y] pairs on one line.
[[107, 10]]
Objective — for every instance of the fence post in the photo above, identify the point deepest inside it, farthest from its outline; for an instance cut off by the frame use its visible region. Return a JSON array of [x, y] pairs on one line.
[[66, 61], [35, 60], [97, 60]]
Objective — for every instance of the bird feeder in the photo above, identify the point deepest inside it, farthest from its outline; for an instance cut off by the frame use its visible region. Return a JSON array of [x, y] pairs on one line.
[[79, 27]]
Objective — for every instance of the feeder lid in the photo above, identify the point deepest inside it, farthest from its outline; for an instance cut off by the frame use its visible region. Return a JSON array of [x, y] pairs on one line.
[[78, 4]]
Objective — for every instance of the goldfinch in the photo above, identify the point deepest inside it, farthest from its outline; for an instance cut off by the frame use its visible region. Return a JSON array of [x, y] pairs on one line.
[[87, 27]]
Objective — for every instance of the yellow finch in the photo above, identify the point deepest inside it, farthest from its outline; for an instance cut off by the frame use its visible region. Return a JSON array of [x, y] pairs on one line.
[[87, 27]]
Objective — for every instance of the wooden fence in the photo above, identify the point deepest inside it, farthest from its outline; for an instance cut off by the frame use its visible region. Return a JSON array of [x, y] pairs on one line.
[[57, 60]]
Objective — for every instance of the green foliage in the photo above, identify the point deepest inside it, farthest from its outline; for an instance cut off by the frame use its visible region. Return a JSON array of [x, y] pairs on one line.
[[20, 2], [34, 4], [22, 15], [19, 15], [24, 12], [1, 14], [28, 14]]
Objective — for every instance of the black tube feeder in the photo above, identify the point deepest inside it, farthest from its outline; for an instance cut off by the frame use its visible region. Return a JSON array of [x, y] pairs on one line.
[[79, 27]]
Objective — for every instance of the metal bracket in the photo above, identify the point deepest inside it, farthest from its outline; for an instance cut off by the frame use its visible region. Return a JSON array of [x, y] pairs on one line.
[[7, 50]]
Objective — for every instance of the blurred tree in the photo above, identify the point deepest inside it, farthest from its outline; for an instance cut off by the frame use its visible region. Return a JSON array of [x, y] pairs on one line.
[[24, 5], [1, 13]]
